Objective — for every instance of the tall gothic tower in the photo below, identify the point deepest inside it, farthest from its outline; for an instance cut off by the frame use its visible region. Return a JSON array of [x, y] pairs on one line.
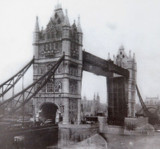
[[128, 62], [50, 44], [121, 90]]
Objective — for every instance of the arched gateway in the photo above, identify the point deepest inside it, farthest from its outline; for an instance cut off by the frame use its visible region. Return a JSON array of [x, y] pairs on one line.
[[48, 111], [64, 88]]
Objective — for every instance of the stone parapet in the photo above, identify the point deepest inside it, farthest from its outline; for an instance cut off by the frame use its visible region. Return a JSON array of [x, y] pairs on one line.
[[69, 134], [132, 123]]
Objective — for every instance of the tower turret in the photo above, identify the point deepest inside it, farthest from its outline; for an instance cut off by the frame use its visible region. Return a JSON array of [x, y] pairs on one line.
[[79, 29], [36, 31], [66, 44], [66, 20], [58, 6], [59, 37], [128, 62], [36, 38]]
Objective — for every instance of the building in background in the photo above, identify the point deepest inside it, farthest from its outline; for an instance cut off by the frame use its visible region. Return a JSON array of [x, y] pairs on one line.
[[152, 101], [152, 104], [93, 107]]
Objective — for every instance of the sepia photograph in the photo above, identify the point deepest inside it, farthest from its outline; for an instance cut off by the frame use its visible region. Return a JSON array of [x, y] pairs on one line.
[[79, 74]]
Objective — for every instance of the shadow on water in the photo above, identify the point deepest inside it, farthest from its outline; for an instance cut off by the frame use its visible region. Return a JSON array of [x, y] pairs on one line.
[[29, 139], [133, 142]]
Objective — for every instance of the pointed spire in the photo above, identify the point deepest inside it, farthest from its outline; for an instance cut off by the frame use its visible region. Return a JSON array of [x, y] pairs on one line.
[[94, 97], [58, 6], [37, 25], [79, 25], [109, 56], [74, 24], [130, 54], [114, 59], [121, 47], [97, 95], [134, 57], [66, 19]]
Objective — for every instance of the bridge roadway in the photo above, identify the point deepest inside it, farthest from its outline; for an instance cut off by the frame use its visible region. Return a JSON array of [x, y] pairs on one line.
[[99, 66]]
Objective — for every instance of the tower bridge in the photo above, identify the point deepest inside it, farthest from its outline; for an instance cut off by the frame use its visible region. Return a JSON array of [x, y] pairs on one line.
[[59, 61]]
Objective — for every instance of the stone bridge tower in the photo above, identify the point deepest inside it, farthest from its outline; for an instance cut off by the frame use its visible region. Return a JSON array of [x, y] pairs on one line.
[[128, 62], [58, 38], [121, 90]]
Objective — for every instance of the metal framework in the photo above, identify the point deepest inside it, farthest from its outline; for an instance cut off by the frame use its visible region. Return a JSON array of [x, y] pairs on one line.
[[10, 83], [152, 116], [21, 98]]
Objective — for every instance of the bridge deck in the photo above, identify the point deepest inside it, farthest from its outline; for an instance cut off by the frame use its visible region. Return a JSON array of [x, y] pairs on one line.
[[99, 66]]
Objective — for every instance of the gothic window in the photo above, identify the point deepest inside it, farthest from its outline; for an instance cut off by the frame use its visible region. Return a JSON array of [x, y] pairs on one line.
[[52, 34], [60, 45], [44, 47], [74, 50], [41, 50], [52, 46], [48, 35], [73, 70], [73, 87], [57, 86], [56, 45], [43, 89], [58, 33], [48, 47], [41, 70], [50, 87], [77, 39]]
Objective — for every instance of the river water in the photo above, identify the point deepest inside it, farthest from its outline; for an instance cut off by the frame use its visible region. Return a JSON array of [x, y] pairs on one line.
[[43, 138], [31, 138]]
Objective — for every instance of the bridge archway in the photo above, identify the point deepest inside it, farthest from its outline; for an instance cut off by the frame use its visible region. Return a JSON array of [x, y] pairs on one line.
[[48, 111]]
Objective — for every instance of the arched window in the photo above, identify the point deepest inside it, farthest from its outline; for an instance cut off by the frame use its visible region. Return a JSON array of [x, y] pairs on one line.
[[50, 87], [57, 86]]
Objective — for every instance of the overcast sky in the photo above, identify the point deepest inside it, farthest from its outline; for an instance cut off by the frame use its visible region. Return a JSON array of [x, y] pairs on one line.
[[106, 24]]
